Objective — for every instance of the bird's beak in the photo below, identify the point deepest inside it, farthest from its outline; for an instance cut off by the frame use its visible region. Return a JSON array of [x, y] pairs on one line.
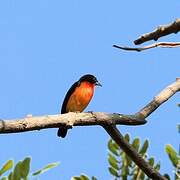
[[98, 84]]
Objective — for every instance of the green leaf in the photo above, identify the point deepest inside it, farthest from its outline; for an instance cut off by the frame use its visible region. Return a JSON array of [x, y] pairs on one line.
[[134, 172], [94, 178], [4, 178], [167, 176], [7, 166], [84, 177], [113, 172], [128, 160], [25, 167], [151, 161], [157, 166], [81, 177], [46, 168], [144, 147], [125, 171], [112, 147], [127, 137], [113, 162], [172, 155], [138, 174], [17, 172], [75, 178], [136, 143], [10, 176], [142, 176], [116, 146]]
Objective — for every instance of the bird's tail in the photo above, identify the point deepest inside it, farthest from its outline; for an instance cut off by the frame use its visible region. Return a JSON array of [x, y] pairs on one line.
[[62, 131]]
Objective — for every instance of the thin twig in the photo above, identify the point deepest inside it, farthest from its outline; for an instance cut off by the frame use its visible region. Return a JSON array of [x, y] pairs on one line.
[[159, 32], [159, 44]]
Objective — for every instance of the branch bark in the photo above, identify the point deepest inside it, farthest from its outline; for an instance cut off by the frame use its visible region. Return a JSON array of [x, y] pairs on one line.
[[159, 32], [31, 123], [155, 35], [154, 45], [132, 153], [159, 99]]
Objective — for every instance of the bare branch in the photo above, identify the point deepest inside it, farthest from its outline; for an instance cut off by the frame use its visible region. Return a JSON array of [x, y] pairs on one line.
[[159, 32], [86, 119], [159, 99], [159, 44], [31, 123]]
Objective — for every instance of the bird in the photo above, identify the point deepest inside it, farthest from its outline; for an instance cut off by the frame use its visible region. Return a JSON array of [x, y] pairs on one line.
[[78, 97]]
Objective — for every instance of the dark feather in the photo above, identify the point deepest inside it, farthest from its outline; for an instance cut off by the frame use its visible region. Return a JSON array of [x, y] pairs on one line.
[[66, 99], [62, 131]]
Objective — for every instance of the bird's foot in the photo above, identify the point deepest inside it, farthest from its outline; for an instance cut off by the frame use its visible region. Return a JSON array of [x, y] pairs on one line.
[[90, 112]]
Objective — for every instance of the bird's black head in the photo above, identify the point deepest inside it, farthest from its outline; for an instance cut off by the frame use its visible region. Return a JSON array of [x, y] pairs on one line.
[[90, 78]]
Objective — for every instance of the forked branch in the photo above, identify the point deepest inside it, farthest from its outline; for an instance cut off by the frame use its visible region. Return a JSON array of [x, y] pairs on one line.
[[155, 35], [108, 121], [158, 100]]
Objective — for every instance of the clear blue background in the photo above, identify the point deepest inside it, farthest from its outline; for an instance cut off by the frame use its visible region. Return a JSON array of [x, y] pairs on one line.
[[47, 45]]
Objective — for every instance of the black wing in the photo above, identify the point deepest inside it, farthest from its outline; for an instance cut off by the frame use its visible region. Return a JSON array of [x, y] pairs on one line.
[[69, 93]]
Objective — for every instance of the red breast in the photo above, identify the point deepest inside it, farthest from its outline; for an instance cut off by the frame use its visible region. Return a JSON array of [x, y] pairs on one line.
[[81, 97]]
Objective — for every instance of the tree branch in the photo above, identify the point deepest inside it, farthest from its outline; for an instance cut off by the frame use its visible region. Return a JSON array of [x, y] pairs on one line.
[[31, 123], [159, 44], [158, 100], [159, 32], [108, 121], [132, 153]]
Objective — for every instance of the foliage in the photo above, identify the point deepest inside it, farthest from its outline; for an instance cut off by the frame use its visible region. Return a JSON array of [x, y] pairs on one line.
[[21, 171], [83, 177], [121, 166], [174, 158]]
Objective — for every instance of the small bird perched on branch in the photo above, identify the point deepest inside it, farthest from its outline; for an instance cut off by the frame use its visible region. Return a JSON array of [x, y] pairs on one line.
[[78, 97]]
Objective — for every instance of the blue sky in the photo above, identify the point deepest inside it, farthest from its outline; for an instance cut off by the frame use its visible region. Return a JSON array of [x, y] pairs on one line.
[[47, 45]]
